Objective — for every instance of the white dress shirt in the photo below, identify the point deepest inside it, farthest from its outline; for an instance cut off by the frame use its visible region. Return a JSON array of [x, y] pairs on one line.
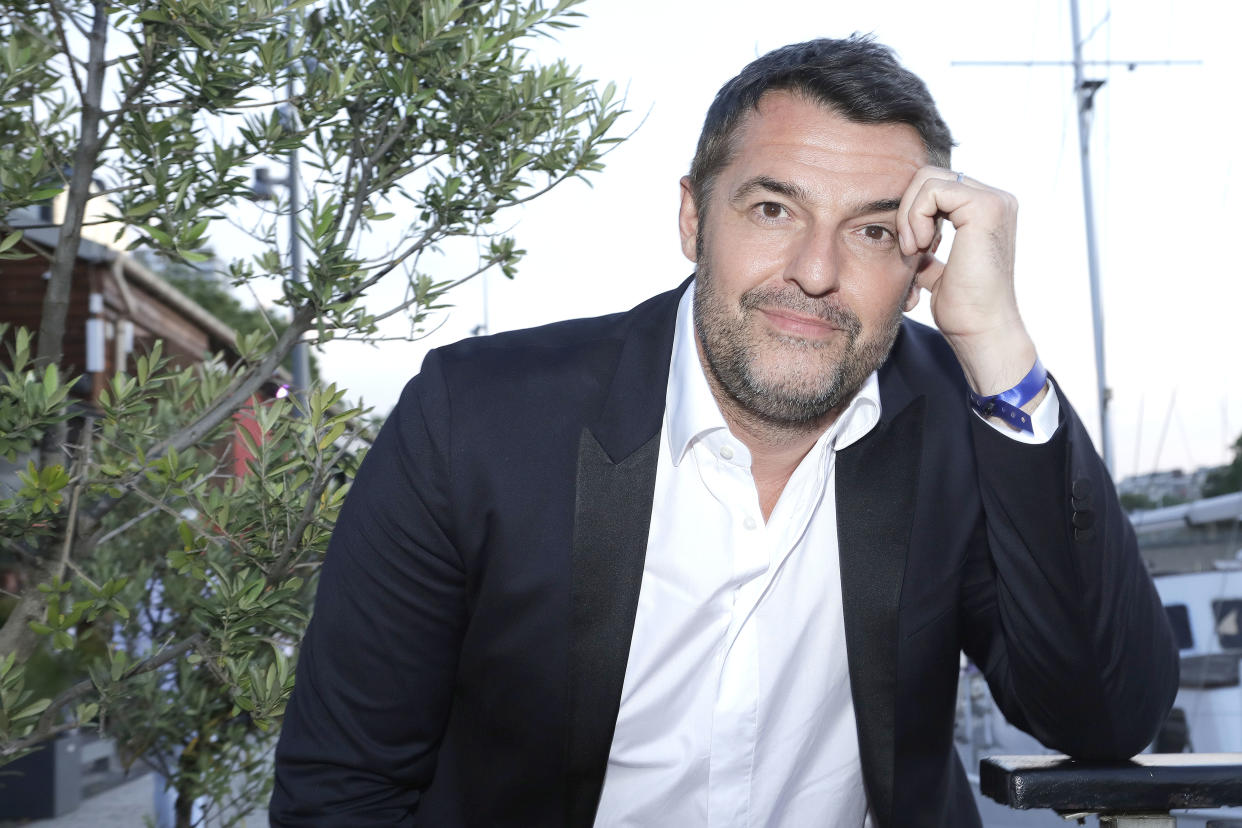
[[736, 708]]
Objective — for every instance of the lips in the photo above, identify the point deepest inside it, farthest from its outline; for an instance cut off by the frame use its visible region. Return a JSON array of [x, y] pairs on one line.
[[797, 324]]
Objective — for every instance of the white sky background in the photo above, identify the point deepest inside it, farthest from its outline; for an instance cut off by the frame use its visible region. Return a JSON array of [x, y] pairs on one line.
[[1165, 144]]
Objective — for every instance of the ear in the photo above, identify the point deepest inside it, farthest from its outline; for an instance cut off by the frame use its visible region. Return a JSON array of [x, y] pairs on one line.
[[924, 269], [688, 221]]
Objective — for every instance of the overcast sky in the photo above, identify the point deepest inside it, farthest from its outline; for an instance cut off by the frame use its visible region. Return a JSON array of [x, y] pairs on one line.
[[1165, 148]]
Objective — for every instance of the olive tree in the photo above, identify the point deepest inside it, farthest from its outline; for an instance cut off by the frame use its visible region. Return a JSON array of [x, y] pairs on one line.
[[176, 589]]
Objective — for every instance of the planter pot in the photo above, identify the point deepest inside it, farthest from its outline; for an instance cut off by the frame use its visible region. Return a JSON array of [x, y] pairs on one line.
[[43, 784]]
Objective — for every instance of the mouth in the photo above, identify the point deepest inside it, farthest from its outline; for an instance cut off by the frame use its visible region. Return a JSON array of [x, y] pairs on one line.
[[792, 323]]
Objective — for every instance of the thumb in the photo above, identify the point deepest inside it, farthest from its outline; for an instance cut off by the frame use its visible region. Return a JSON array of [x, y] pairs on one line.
[[929, 272]]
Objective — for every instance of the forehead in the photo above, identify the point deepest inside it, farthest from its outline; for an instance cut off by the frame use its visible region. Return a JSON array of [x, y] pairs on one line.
[[789, 135]]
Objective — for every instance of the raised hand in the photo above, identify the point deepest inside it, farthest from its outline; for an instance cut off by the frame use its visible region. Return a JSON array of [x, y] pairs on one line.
[[972, 291]]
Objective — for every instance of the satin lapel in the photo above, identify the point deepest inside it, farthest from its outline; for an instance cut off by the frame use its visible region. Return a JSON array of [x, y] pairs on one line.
[[611, 523], [877, 482], [617, 457]]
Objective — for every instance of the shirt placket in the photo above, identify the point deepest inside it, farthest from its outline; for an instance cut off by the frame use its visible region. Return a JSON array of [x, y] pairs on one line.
[[734, 730]]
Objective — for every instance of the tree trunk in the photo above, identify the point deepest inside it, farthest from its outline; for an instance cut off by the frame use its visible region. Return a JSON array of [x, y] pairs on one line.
[[183, 810], [85, 160], [16, 635]]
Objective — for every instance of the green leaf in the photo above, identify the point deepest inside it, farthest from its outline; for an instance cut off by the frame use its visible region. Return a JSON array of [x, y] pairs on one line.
[[332, 435], [192, 235], [44, 193], [450, 187], [33, 709], [10, 240], [159, 235], [51, 380], [199, 39], [140, 210]]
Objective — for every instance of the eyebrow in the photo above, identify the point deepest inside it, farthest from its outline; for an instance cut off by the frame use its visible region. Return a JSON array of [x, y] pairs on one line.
[[771, 185], [883, 205], [800, 194]]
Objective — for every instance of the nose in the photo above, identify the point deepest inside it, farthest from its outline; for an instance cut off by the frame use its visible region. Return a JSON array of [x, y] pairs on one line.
[[815, 263]]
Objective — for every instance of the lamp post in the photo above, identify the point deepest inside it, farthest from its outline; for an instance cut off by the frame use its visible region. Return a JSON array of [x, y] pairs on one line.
[[263, 187]]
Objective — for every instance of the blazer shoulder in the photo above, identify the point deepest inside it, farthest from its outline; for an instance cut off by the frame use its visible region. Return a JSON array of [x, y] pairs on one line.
[[556, 375]]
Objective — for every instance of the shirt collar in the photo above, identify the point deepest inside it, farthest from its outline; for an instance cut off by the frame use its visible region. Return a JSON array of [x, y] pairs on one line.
[[690, 410]]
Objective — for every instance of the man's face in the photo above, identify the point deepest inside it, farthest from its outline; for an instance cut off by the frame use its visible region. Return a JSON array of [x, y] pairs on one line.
[[800, 282]]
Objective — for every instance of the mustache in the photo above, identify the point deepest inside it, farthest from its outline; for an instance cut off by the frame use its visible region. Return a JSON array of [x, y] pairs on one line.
[[766, 297]]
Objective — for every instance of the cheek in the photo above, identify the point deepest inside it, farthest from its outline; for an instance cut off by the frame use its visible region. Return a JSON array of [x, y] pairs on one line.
[[738, 264], [876, 294]]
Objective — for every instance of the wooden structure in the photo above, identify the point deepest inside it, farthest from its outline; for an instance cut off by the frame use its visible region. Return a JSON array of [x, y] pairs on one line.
[[117, 308], [1138, 793]]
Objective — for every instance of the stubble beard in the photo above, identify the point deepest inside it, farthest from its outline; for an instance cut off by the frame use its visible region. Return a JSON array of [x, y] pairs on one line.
[[779, 380]]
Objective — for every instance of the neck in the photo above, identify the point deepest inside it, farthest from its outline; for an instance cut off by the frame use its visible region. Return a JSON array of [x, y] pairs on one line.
[[776, 448]]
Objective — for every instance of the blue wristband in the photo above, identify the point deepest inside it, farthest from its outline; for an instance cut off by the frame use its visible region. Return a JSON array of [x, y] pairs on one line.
[[1008, 404]]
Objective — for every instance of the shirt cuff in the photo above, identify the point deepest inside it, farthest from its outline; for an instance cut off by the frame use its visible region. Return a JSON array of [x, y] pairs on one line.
[[1044, 420]]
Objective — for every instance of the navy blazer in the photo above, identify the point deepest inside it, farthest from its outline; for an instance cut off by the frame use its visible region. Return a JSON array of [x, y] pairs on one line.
[[465, 660]]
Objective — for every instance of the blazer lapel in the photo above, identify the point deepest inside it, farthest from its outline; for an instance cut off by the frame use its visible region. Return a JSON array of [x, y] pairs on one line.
[[877, 482], [617, 459], [613, 513]]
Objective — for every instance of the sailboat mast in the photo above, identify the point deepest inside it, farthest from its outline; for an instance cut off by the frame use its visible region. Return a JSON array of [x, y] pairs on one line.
[[1085, 93]]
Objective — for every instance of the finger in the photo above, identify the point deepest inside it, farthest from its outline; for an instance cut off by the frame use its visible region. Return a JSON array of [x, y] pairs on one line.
[[929, 273], [937, 197], [906, 236]]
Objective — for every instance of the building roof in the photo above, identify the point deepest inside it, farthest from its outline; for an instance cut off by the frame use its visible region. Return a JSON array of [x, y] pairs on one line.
[[1200, 512], [138, 273]]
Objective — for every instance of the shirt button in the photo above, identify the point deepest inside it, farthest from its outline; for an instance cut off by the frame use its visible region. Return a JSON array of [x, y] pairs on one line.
[[726, 452], [749, 523]]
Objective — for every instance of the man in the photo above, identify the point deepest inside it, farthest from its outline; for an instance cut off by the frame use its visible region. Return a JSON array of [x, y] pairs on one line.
[[712, 561]]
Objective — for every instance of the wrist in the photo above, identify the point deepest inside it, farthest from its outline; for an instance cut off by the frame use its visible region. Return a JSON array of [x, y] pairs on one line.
[[997, 361], [1014, 406]]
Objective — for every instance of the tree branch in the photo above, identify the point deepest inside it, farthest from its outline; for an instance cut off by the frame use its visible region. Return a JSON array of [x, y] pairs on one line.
[[64, 47], [85, 159], [8, 226], [132, 91], [488, 265], [124, 527], [117, 61], [45, 728], [131, 105], [84, 460], [425, 239], [279, 569], [240, 390], [82, 30]]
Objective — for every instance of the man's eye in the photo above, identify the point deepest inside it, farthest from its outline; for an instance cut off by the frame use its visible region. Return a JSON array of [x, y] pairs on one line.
[[877, 232], [771, 210]]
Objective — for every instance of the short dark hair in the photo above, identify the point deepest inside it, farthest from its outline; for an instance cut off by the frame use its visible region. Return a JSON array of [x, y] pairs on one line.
[[856, 77]]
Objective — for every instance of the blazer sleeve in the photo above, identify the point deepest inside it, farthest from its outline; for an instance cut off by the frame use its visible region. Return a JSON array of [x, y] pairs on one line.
[[376, 668], [1059, 611]]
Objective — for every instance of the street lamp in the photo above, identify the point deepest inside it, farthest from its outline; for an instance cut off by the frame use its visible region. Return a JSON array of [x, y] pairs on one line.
[[264, 188]]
